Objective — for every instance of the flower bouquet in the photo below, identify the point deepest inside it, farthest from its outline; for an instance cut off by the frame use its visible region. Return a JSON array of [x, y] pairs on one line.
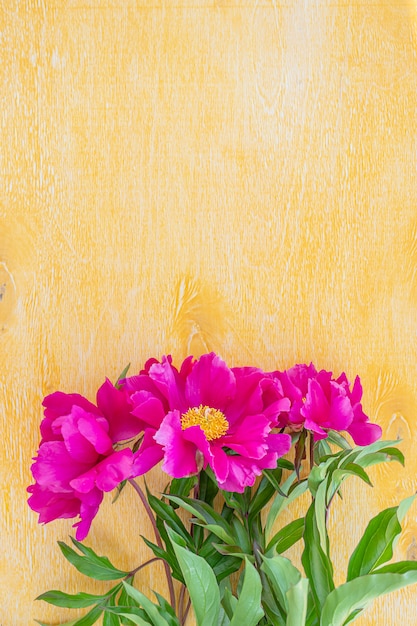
[[238, 446]]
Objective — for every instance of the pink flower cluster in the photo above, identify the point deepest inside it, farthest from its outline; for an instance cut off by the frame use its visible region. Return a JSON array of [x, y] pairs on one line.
[[320, 403], [204, 414]]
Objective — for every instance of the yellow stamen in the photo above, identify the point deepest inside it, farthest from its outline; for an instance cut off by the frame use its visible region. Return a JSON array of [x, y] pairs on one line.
[[212, 421]]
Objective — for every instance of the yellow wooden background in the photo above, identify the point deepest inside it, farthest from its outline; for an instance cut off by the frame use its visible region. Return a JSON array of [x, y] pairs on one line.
[[190, 175]]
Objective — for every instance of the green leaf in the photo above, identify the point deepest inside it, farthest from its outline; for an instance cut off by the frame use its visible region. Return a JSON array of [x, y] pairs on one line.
[[124, 598], [122, 376], [223, 619], [182, 486], [226, 550], [356, 470], [238, 501], [166, 555], [321, 449], [205, 513], [167, 609], [68, 601], [281, 502], [70, 623], [200, 581], [225, 567], [401, 567], [133, 613], [282, 575], [134, 618], [378, 541], [357, 594], [248, 610], [316, 562], [208, 487], [110, 619], [119, 490], [285, 464], [286, 537], [319, 473], [229, 603], [377, 446], [320, 510], [168, 515], [339, 475], [297, 597], [394, 454], [148, 606], [241, 534], [269, 485], [218, 531], [338, 439], [92, 565], [91, 617], [379, 452], [222, 566]]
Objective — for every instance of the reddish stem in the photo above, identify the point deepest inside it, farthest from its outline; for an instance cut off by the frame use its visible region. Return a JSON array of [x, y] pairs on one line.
[[157, 537]]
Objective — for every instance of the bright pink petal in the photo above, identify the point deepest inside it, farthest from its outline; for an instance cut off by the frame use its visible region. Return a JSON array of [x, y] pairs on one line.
[[88, 510], [242, 473], [319, 433], [279, 443], [299, 376], [148, 455], [295, 415], [91, 428], [51, 505], [248, 397], [114, 469], [84, 483], [219, 462], [59, 403], [140, 382], [148, 410], [169, 383], [341, 413], [54, 467], [79, 448], [316, 406], [211, 451], [116, 407], [289, 388], [364, 433], [186, 367], [56, 405], [179, 454], [274, 411], [248, 437], [107, 474], [356, 394], [210, 383]]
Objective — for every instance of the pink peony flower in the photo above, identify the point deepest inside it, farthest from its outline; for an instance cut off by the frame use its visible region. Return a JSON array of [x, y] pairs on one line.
[[76, 461], [206, 414], [362, 431], [320, 403]]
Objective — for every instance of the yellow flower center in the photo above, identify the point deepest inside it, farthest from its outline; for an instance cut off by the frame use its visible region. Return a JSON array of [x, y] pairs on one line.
[[212, 421]]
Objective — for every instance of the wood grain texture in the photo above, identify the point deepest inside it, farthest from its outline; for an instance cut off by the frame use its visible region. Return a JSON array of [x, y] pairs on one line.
[[188, 175]]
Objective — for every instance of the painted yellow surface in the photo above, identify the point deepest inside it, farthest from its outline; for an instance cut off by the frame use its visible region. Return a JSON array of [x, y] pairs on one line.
[[190, 175]]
